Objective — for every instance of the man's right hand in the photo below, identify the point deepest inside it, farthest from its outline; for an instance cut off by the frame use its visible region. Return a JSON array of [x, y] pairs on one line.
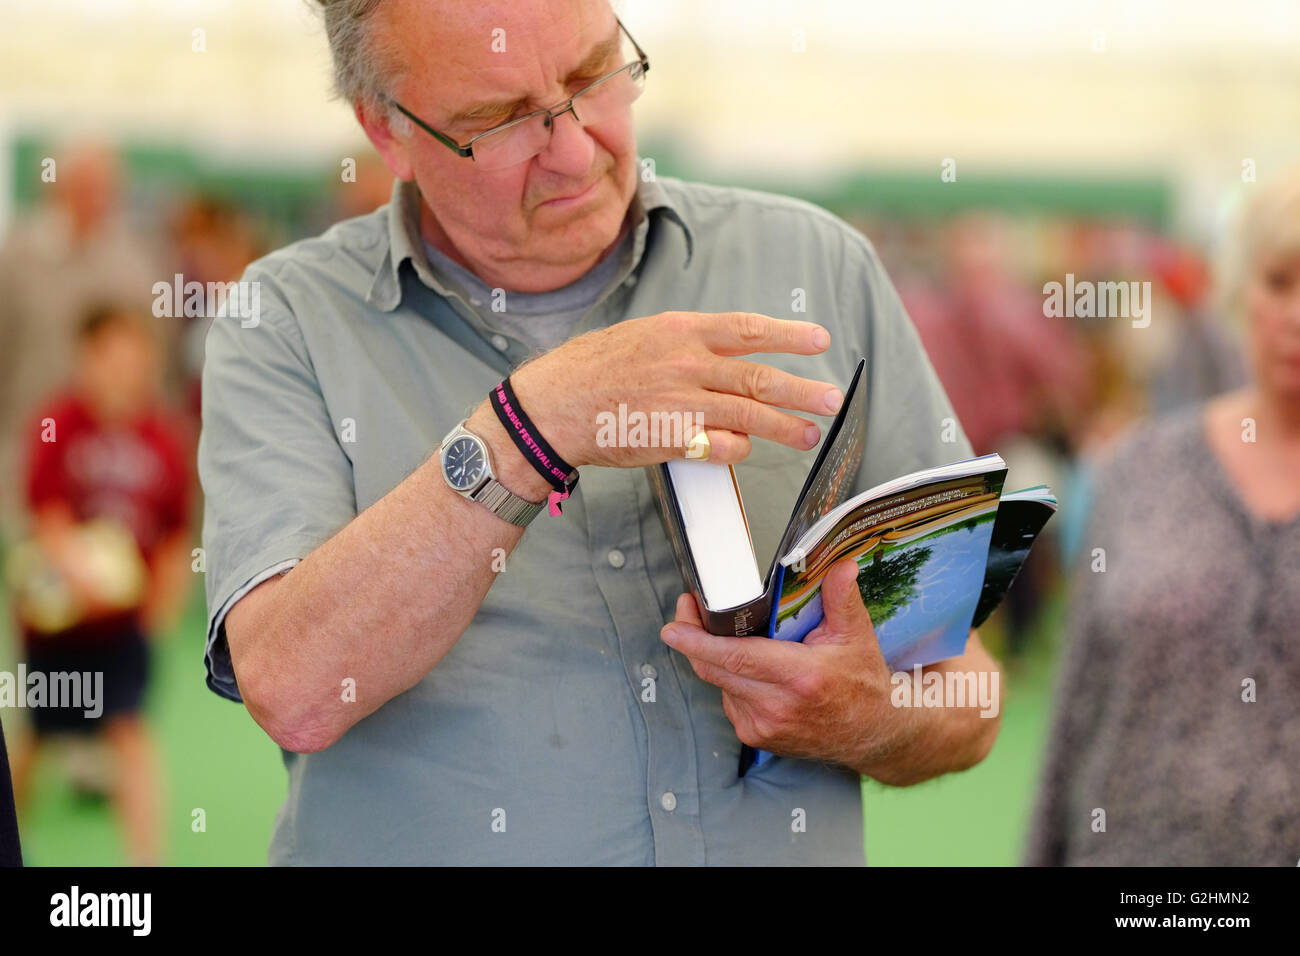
[[683, 363]]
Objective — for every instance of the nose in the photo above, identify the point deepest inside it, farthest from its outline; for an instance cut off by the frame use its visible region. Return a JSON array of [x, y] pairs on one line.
[[571, 148]]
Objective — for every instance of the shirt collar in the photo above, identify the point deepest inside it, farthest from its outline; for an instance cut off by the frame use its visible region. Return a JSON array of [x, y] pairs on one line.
[[405, 242]]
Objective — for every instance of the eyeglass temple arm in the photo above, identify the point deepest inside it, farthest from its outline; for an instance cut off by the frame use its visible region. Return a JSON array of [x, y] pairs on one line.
[[445, 140], [645, 60]]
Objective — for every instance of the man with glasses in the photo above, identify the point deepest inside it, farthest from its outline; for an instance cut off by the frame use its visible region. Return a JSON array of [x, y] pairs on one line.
[[445, 687]]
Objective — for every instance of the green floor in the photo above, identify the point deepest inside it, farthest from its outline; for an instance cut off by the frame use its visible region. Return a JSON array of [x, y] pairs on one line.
[[976, 818], [218, 760]]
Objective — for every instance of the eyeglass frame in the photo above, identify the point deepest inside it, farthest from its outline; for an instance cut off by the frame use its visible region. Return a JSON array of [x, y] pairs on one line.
[[553, 113]]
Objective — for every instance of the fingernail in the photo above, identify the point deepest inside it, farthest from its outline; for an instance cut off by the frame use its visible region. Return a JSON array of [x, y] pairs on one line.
[[834, 399], [668, 634], [821, 338], [811, 435]]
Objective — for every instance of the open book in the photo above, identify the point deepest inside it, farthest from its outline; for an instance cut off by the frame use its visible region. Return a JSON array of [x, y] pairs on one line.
[[937, 549]]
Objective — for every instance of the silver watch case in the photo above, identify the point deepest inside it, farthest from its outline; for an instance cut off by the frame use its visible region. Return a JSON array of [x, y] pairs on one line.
[[488, 491]]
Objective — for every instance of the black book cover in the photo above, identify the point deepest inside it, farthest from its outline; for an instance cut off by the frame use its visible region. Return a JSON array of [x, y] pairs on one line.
[[1014, 532]]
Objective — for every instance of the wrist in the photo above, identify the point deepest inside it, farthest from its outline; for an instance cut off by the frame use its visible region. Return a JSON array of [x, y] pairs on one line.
[[512, 469], [885, 753], [533, 401]]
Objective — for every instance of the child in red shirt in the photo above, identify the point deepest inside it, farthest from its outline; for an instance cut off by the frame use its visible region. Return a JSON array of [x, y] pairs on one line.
[[108, 487]]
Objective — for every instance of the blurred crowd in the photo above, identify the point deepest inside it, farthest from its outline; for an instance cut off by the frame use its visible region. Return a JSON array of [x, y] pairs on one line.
[[99, 419], [1047, 390]]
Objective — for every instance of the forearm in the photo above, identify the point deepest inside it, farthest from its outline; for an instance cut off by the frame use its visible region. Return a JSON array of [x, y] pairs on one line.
[[937, 740], [379, 603]]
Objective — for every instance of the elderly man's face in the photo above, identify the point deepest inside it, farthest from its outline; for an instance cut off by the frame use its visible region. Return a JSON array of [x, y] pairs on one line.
[[519, 227]]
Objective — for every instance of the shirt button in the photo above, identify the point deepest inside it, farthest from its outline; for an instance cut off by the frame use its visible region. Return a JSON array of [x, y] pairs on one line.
[[630, 281], [648, 670], [668, 801], [501, 342], [616, 558]]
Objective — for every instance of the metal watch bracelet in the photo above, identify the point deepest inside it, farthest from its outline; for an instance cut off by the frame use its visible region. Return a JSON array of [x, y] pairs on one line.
[[503, 502]]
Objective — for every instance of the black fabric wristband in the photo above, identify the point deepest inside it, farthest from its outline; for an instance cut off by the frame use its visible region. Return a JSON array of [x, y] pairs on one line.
[[558, 473]]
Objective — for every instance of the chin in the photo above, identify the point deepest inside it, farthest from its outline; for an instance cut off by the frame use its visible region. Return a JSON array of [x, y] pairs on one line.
[[599, 222]]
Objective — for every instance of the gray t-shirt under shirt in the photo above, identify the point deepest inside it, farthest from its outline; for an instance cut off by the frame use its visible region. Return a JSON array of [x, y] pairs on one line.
[[541, 320]]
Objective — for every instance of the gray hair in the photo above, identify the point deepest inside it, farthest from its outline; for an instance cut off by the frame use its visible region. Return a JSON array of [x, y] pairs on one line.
[[363, 65], [1267, 224]]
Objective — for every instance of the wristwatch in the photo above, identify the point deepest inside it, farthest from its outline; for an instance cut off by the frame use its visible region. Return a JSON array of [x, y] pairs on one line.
[[467, 469]]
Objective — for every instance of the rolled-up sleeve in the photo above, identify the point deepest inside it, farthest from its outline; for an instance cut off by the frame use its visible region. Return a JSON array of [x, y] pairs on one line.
[[275, 477]]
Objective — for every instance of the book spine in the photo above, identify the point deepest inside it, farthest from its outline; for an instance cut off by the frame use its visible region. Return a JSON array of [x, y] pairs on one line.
[[743, 621]]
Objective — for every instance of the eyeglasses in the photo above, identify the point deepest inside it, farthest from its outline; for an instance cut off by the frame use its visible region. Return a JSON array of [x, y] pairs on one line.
[[521, 139]]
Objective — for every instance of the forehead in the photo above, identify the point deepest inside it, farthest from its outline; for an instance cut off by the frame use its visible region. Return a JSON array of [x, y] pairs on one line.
[[458, 54]]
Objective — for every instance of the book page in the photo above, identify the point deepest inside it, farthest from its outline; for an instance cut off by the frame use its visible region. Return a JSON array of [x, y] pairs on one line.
[[921, 557]]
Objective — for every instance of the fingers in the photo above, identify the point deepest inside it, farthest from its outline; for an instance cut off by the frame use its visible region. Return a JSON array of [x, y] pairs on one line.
[[755, 419], [747, 396], [845, 617], [774, 386], [744, 333], [687, 611], [727, 447], [841, 597], [688, 614], [740, 687], [756, 658]]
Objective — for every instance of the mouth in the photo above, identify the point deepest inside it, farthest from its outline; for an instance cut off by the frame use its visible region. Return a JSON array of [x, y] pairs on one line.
[[561, 202]]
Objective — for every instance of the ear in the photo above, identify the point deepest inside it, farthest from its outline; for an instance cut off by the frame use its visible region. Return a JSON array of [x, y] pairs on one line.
[[394, 150]]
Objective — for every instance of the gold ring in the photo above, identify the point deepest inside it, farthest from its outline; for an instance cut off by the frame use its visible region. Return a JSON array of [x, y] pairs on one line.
[[699, 448]]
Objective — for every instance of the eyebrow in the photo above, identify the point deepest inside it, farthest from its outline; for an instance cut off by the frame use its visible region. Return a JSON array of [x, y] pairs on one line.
[[489, 109]]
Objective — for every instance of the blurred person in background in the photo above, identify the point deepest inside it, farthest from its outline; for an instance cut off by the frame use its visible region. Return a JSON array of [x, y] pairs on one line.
[[1010, 370], [1115, 401], [212, 241], [1016, 378], [371, 188], [107, 562], [72, 250], [359, 185], [1177, 733], [1187, 355], [1203, 360]]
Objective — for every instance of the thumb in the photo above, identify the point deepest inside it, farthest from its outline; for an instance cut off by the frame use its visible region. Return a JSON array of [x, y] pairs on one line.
[[845, 617]]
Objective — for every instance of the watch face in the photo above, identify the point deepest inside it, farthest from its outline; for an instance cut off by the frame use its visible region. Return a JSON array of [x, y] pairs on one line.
[[464, 464]]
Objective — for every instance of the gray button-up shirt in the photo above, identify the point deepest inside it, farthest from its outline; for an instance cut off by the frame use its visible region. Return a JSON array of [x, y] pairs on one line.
[[559, 728]]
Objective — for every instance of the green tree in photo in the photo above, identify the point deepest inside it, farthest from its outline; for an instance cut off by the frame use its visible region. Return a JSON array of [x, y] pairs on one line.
[[889, 583]]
